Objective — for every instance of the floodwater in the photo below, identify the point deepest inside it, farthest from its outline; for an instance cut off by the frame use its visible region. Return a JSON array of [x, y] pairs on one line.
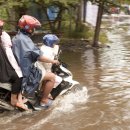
[[103, 103]]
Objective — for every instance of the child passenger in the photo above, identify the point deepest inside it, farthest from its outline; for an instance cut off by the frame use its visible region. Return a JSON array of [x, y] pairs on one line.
[[50, 50]]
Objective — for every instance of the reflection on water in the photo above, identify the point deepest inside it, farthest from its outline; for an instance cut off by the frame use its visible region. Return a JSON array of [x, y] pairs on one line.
[[106, 73], [103, 103], [62, 106]]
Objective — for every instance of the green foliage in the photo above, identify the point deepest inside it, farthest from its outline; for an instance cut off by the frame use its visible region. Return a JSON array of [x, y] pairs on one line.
[[103, 38], [3, 13], [109, 3], [82, 31], [68, 21]]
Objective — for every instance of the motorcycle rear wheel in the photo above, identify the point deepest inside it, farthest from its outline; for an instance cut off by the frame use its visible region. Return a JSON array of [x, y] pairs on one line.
[[6, 106]]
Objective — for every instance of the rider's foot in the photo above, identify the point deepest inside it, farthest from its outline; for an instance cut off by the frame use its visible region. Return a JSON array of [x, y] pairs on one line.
[[24, 100], [47, 104], [50, 97], [21, 106], [43, 106]]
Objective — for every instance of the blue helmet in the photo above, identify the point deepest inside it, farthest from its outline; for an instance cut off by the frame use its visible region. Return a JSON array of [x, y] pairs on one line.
[[50, 40]]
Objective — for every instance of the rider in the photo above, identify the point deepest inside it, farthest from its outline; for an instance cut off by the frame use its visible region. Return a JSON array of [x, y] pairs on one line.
[[27, 53], [50, 49], [10, 71]]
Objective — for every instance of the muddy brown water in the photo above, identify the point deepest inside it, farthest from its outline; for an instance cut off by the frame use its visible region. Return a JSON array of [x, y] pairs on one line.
[[103, 103]]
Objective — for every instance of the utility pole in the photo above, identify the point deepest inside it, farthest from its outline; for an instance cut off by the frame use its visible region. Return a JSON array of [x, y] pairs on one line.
[[98, 24], [84, 10]]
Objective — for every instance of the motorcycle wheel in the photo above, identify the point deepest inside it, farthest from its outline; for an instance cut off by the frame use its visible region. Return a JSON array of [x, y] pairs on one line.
[[4, 105]]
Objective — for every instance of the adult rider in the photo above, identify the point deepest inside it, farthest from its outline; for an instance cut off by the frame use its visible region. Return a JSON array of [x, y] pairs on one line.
[[10, 72], [27, 53]]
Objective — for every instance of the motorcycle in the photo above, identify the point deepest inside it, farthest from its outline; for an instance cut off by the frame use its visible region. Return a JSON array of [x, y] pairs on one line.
[[65, 86]]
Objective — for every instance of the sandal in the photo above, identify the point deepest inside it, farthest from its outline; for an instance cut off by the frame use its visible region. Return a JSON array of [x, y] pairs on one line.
[[21, 106], [47, 105]]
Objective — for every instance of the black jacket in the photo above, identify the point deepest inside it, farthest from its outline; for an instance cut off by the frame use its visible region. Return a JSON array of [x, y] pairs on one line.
[[6, 69]]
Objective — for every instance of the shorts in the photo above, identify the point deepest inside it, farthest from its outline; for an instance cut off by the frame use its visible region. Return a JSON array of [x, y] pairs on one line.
[[41, 67]]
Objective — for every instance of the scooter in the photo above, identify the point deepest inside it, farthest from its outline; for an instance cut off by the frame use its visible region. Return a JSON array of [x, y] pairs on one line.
[[66, 85], [67, 80]]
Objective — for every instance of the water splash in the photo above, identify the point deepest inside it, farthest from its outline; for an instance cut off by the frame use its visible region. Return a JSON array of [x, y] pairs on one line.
[[71, 99], [10, 116], [64, 105]]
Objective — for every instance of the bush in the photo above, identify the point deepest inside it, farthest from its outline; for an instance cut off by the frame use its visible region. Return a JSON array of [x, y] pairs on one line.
[[82, 31]]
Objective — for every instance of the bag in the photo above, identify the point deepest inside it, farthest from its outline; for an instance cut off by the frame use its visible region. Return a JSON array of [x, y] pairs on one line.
[[30, 84]]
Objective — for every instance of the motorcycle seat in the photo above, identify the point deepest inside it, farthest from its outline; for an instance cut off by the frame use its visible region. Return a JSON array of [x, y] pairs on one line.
[[6, 86]]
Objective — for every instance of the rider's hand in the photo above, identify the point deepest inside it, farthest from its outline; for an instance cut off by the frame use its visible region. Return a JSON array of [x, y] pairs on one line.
[[56, 62]]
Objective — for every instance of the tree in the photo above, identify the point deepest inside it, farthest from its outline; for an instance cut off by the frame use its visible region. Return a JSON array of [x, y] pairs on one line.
[[19, 7], [13, 10], [64, 5], [102, 4]]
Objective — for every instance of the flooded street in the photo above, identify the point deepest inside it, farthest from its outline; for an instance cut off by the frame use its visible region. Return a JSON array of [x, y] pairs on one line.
[[103, 103]]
